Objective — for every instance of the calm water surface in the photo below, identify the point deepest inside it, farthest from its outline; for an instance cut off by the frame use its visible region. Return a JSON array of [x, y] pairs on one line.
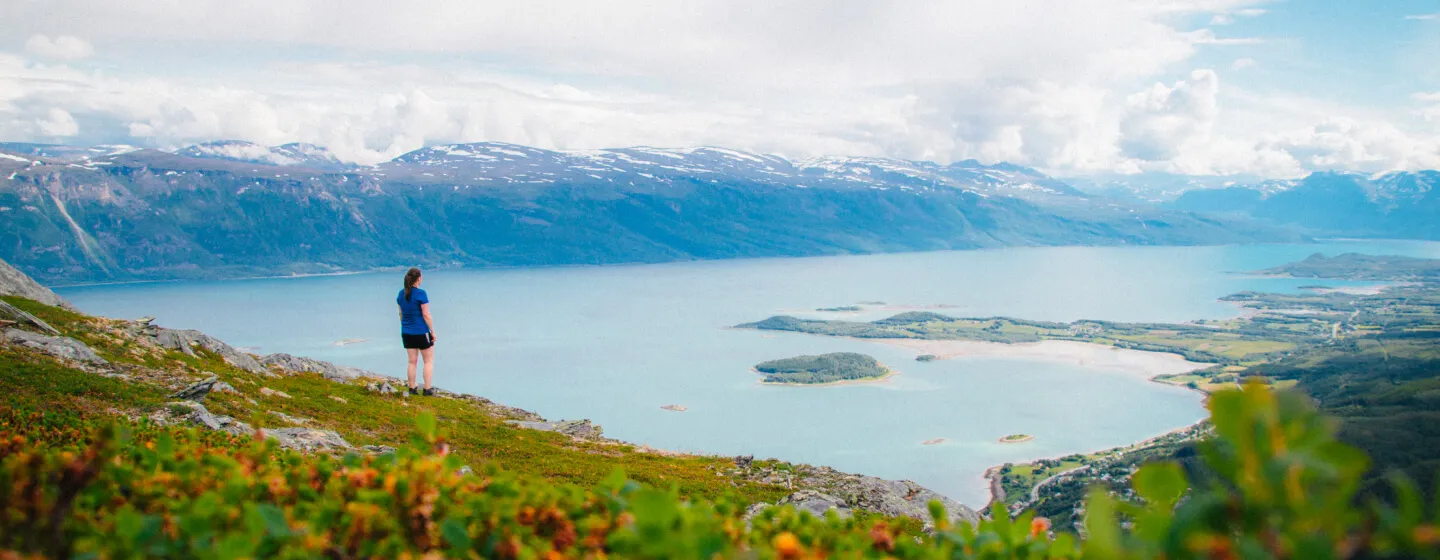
[[615, 343]]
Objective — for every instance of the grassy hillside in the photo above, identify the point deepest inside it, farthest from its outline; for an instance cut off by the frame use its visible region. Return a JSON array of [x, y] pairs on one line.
[[76, 480], [35, 385]]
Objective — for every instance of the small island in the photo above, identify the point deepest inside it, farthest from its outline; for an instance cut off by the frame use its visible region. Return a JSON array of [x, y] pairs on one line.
[[1016, 438], [838, 367], [674, 408], [926, 358]]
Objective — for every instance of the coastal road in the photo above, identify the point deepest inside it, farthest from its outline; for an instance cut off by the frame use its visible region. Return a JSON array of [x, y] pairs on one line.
[[1035, 492]]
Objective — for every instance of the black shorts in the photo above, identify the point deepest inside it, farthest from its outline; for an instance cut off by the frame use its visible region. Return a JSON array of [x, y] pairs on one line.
[[417, 341]]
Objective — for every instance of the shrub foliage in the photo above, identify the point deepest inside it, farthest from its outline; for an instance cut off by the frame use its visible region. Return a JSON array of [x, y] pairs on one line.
[[1284, 488]]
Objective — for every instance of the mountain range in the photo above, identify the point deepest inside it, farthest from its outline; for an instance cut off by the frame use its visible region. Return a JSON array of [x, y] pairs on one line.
[[228, 209], [1404, 205]]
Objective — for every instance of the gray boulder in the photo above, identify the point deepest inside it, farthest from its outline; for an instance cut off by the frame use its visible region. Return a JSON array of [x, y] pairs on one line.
[[199, 415], [300, 363], [16, 283], [900, 497], [290, 419], [816, 503], [186, 341], [196, 391], [308, 439], [582, 429], [11, 313], [754, 510], [59, 346]]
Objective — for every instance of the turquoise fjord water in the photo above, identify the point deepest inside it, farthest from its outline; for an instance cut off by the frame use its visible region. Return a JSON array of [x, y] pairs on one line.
[[615, 343]]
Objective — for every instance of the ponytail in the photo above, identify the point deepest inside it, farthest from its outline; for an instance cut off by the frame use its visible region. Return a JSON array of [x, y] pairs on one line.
[[410, 277]]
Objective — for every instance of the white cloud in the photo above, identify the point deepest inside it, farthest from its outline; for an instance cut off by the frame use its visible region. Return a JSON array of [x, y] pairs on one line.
[[1346, 143], [1208, 37], [1424, 17], [1227, 18], [61, 47], [1429, 105], [1162, 120], [57, 122], [1028, 81]]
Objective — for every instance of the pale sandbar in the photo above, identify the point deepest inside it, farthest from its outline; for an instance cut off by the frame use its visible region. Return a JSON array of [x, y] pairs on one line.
[[1137, 362]]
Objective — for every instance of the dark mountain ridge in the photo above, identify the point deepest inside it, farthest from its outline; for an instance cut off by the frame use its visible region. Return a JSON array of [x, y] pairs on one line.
[[234, 209]]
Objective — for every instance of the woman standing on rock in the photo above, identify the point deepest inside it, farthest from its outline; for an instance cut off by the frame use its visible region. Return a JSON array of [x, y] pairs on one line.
[[416, 330]]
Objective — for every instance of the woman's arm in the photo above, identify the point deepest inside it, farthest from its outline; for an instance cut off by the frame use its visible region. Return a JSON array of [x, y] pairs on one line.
[[425, 311]]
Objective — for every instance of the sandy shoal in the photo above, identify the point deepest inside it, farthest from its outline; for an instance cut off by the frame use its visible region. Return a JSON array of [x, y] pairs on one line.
[[1137, 362]]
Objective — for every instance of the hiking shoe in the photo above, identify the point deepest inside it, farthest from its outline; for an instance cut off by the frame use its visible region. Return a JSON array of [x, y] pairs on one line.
[[429, 392], [414, 390]]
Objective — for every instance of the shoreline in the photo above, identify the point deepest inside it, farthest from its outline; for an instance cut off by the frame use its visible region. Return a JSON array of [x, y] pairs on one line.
[[1085, 354], [61, 284], [1146, 364], [987, 478]]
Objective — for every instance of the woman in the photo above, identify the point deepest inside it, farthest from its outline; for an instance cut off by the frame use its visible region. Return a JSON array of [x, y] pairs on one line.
[[417, 331]]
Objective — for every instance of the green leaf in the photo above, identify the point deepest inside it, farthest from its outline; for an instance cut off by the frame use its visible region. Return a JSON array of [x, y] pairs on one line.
[[937, 513], [1101, 528], [425, 425], [615, 482], [275, 523], [1161, 484], [455, 534]]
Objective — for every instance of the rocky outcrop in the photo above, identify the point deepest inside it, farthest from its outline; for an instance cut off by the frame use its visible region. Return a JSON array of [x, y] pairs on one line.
[[195, 413], [290, 419], [16, 283], [186, 341], [268, 392], [62, 347], [302, 364], [15, 314], [816, 503], [308, 439], [824, 488], [582, 429], [494, 408], [299, 439], [196, 391]]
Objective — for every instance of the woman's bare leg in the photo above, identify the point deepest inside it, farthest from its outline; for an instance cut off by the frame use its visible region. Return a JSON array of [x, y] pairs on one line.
[[410, 369], [429, 354]]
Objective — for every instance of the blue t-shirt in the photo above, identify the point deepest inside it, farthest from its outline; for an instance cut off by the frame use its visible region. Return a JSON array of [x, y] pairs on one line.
[[412, 321]]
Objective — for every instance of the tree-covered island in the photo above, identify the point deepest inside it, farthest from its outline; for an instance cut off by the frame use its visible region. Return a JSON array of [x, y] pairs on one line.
[[826, 368]]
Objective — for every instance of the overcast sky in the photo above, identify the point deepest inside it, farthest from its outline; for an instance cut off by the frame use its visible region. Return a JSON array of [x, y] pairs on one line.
[[1071, 86]]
